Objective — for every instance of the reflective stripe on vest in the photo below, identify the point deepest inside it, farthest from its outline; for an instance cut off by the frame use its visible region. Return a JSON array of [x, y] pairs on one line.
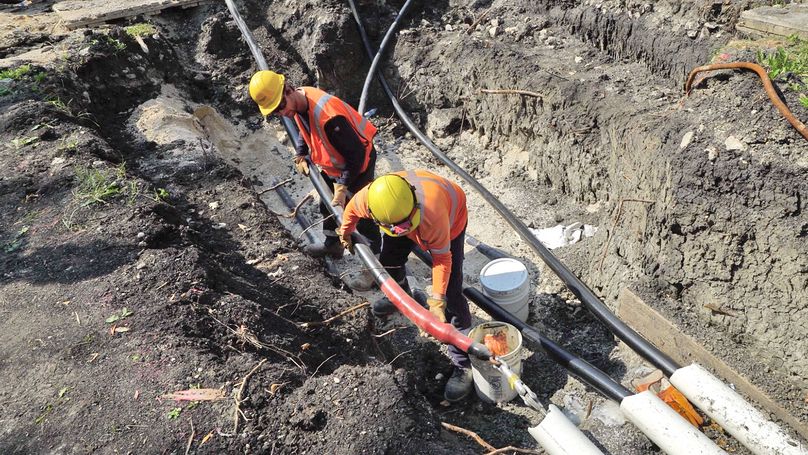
[[417, 181], [322, 107]]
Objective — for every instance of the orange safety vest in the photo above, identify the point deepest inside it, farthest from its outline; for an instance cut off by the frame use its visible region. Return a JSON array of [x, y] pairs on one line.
[[443, 218], [322, 108]]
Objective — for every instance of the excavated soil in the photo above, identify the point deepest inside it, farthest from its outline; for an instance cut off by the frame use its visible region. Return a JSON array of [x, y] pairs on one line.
[[187, 273]]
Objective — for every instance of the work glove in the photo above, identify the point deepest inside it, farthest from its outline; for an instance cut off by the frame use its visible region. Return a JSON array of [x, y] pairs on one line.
[[346, 241], [438, 309], [301, 165], [340, 195]]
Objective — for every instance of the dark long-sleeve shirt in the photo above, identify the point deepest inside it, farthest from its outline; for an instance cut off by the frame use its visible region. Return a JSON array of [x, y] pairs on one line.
[[345, 140]]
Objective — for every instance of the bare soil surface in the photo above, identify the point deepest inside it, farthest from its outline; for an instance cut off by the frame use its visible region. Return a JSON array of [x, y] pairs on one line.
[[140, 253]]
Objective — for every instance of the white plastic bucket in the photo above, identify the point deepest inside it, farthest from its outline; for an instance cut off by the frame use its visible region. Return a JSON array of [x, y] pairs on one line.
[[506, 282], [490, 384]]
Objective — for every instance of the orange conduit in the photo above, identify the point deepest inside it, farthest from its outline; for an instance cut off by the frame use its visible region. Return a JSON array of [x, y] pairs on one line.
[[767, 85]]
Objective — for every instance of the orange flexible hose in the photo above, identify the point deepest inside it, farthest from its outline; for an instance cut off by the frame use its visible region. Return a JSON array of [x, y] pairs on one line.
[[767, 85]]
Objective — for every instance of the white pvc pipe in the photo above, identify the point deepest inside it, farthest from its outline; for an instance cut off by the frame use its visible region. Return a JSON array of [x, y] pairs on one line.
[[667, 429], [735, 415], [558, 436]]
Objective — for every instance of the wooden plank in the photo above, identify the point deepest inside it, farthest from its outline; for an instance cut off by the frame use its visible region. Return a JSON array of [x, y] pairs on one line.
[[80, 13], [685, 350], [781, 21]]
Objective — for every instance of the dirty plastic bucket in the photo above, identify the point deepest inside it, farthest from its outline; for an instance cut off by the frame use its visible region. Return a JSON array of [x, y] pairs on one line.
[[506, 282], [490, 384]]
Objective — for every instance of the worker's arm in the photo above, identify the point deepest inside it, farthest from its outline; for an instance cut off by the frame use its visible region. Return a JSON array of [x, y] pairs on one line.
[[347, 142], [301, 148], [356, 209], [437, 237]]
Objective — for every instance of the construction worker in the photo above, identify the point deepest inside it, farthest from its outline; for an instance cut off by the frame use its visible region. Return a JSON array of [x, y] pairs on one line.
[[334, 136], [419, 207]]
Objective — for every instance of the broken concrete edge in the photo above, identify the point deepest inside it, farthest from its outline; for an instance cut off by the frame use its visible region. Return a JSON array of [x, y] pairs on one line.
[[77, 18], [666, 336]]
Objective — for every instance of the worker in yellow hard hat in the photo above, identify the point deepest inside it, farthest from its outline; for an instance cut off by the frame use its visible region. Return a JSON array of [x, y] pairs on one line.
[[419, 207], [334, 136]]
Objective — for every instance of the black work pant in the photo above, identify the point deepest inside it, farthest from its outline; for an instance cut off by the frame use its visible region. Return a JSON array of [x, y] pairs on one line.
[[365, 227], [394, 254]]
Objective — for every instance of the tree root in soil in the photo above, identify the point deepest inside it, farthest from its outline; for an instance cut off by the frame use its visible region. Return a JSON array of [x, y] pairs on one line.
[[491, 450], [275, 187], [238, 400], [510, 92], [350, 310], [767, 86]]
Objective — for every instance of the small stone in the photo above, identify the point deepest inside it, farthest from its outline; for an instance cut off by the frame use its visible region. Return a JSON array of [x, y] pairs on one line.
[[692, 34], [141, 235], [218, 226], [337, 380], [579, 59], [511, 30], [493, 31], [448, 27], [711, 26], [495, 22], [439, 376], [733, 143], [686, 140], [213, 205], [712, 153]]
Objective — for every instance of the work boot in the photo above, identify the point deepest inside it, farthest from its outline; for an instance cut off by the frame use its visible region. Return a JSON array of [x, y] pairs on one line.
[[459, 385], [318, 250], [383, 307], [361, 280]]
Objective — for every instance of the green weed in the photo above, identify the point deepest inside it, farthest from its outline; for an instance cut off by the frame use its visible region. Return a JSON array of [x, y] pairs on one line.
[[117, 44], [804, 101], [791, 58], [160, 195], [125, 313], [174, 413], [97, 186], [141, 29], [22, 141], [15, 74], [17, 242]]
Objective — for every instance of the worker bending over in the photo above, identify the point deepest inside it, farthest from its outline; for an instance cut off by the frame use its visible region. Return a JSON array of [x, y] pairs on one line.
[[334, 136], [419, 207]]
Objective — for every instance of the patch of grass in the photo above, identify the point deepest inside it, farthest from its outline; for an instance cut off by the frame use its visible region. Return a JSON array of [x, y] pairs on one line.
[[117, 44], [174, 413], [790, 58], [98, 186], [804, 101], [141, 29], [15, 74]]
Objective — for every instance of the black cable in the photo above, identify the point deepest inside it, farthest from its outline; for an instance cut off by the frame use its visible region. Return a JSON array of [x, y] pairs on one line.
[[575, 285]]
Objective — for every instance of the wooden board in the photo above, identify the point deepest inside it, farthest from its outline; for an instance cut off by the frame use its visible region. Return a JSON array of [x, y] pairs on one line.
[[685, 350], [80, 13], [783, 21]]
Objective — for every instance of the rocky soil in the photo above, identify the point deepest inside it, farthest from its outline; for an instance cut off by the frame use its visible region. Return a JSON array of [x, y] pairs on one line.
[[141, 254]]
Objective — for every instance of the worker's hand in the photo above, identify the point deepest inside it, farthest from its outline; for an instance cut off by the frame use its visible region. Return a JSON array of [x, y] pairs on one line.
[[301, 165], [437, 307], [346, 241], [340, 195]]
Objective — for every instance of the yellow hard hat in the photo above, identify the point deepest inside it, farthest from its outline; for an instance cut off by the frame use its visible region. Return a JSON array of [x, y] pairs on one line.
[[392, 204], [266, 89]]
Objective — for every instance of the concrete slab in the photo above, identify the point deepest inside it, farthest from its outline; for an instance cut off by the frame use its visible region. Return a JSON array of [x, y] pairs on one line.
[[779, 21], [81, 13], [685, 350]]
